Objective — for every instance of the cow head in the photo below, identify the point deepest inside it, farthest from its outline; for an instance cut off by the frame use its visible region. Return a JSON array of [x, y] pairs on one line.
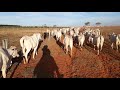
[[13, 52]]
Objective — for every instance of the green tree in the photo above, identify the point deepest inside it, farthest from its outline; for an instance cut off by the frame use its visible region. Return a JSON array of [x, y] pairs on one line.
[[87, 23], [98, 23]]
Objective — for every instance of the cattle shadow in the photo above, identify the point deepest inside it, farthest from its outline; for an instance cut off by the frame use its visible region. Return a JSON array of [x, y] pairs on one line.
[[61, 45], [47, 67], [105, 50], [111, 52], [41, 41], [55, 38], [90, 48]]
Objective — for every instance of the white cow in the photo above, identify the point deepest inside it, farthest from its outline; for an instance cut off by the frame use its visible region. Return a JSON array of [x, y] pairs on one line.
[[29, 43], [6, 56], [71, 32], [77, 30], [58, 35], [98, 41], [68, 42], [114, 39], [81, 39], [53, 32]]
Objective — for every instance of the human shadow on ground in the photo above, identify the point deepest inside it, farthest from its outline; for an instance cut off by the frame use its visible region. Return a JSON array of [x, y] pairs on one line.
[[47, 67]]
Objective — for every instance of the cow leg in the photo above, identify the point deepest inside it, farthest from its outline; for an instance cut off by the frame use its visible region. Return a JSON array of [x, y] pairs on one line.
[[71, 51], [35, 50], [79, 44], [66, 49], [4, 71], [23, 50], [36, 53], [101, 47], [94, 47], [98, 52], [24, 61], [81, 48], [117, 47], [97, 49], [26, 54], [112, 45]]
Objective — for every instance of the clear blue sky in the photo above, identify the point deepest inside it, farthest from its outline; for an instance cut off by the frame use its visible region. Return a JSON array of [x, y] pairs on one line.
[[59, 18]]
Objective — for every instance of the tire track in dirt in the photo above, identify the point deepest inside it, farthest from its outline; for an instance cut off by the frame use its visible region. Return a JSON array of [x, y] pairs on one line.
[[86, 64], [112, 63]]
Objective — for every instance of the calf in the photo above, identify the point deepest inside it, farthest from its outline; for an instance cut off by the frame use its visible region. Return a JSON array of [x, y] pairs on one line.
[[6, 56]]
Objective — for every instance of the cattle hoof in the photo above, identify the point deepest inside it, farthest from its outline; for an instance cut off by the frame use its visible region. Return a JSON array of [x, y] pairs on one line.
[[81, 49], [24, 62], [97, 54]]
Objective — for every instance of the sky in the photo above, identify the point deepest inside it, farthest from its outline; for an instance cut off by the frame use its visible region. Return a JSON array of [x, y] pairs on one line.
[[59, 18]]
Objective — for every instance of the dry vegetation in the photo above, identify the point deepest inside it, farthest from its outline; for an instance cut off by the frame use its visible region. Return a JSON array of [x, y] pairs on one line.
[[83, 64]]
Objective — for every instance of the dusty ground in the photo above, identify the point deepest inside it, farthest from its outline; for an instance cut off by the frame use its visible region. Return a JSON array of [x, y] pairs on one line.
[[52, 62]]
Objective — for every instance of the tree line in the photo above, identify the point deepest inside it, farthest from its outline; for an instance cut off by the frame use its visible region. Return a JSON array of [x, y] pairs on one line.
[[1, 25], [44, 26], [97, 23]]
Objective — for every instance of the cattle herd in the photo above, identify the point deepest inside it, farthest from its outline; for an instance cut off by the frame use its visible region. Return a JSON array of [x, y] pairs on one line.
[[73, 36]]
